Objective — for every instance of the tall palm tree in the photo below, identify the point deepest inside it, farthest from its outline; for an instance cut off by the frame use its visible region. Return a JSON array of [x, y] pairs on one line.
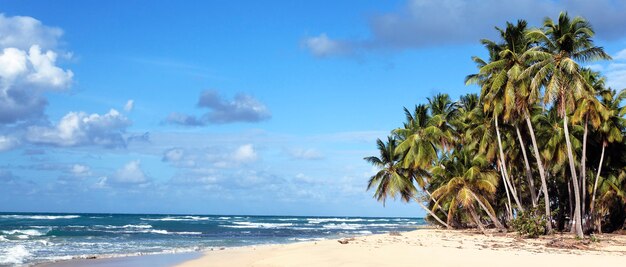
[[589, 110], [611, 129], [515, 54], [563, 43], [492, 96], [391, 180]]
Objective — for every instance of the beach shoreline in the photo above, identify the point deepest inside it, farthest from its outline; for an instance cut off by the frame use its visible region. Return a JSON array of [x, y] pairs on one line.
[[429, 247]]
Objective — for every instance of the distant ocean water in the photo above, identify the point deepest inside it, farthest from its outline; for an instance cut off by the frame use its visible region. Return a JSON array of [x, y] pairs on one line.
[[29, 238]]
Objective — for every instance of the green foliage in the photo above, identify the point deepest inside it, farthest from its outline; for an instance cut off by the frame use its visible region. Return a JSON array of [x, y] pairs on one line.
[[532, 87], [529, 224]]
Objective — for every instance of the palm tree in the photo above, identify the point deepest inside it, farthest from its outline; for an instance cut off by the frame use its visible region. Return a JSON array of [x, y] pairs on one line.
[[588, 111], [391, 180], [467, 180], [556, 69], [611, 130], [492, 96], [515, 53]]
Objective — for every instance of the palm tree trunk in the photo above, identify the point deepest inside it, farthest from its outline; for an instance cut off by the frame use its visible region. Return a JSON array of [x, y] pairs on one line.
[[572, 167], [583, 170], [506, 188], [506, 178], [434, 200], [419, 202], [529, 176], [493, 217], [477, 219], [595, 184], [542, 175]]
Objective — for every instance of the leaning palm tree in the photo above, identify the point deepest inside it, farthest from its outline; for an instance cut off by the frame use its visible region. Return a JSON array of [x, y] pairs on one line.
[[391, 180], [611, 130], [563, 43], [467, 182], [515, 54]]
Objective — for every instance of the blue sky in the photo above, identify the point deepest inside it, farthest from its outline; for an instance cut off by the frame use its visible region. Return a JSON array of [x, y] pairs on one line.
[[233, 107]]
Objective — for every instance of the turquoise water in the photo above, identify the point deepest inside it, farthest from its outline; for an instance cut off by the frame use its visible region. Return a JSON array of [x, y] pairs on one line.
[[28, 238]]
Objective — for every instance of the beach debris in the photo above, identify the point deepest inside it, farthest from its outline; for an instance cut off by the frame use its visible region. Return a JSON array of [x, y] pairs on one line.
[[567, 244], [344, 241], [395, 233]]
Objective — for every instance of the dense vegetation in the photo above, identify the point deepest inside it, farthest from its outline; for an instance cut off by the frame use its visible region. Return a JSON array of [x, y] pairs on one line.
[[543, 142]]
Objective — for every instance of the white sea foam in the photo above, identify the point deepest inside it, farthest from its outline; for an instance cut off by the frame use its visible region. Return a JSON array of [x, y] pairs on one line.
[[306, 239], [343, 226], [325, 220], [258, 225], [25, 232], [178, 218], [288, 219], [39, 217], [14, 255], [141, 226], [224, 218]]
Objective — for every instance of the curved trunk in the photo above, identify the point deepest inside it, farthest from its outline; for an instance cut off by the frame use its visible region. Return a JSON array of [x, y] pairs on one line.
[[419, 202], [506, 174], [572, 167], [583, 171], [434, 200], [529, 176], [506, 189], [542, 175], [477, 219], [595, 186], [493, 217]]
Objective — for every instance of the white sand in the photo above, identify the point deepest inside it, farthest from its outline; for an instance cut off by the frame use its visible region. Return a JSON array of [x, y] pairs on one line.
[[425, 247]]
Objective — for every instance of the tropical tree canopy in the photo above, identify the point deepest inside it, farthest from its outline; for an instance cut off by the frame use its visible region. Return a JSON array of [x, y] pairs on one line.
[[544, 135]]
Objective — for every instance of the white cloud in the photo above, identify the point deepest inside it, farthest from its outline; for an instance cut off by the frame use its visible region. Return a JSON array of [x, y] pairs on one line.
[[80, 128], [28, 67], [131, 173], [130, 104], [23, 32], [621, 55], [616, 71], [80, 170], [429, 23], [245, 153], [306, 154], [8, 142], [322, 46]]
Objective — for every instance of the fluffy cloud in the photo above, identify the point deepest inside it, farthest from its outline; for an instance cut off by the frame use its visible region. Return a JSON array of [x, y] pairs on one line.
[[322, 46], [421, 23], [22, 32], [28, 67], [8, 142], [615, 71], [243, 108], [80, 128], [306, 154], [79, 170], [245, 153], [131, 173]]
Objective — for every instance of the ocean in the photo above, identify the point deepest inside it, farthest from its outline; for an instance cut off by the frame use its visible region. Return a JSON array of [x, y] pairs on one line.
[[30, 238]]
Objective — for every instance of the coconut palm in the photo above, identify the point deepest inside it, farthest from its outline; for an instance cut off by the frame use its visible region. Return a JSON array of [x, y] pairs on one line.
[[467, 181], [564, 43], [588, 111], [611, 129], [391, 180]]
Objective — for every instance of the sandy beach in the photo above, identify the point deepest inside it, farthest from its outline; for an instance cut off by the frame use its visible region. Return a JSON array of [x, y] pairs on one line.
[[427, 247]]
